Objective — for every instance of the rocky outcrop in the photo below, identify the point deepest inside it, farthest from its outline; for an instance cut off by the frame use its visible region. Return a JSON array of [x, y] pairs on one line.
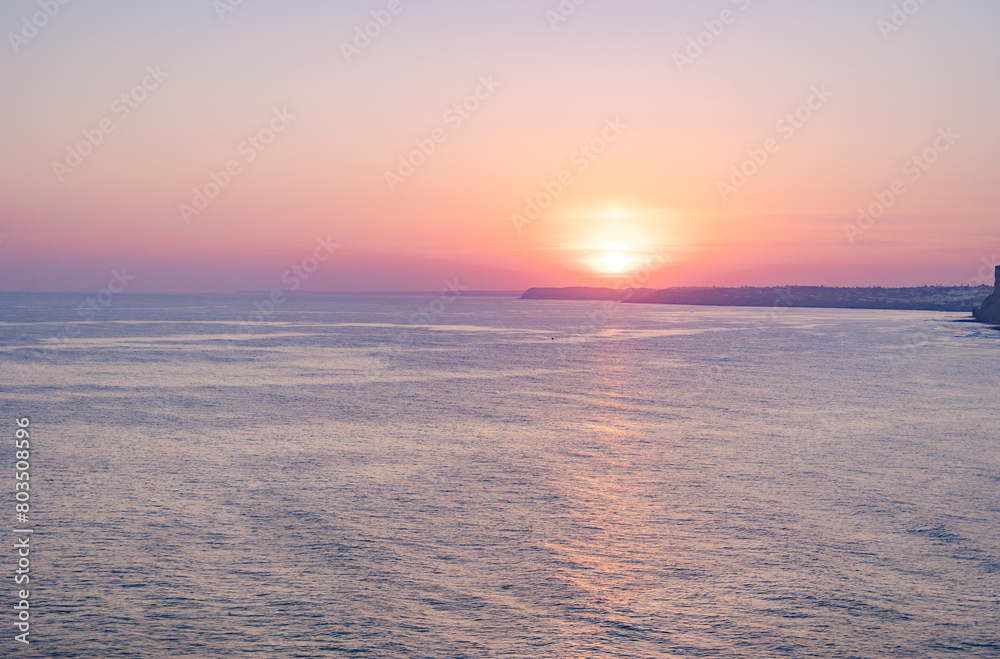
[[989, 312]]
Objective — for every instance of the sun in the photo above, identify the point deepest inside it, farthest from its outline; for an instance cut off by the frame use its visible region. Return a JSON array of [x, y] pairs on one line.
[[615, 260]]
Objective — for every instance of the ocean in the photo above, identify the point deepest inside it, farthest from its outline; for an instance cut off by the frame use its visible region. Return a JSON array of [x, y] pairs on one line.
[[220, 476]]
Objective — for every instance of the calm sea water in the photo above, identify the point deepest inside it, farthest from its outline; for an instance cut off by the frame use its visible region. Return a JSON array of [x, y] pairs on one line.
[[513, 479]]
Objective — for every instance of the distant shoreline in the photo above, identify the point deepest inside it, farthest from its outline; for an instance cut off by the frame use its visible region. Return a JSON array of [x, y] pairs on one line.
[[961, 299], [513, 294], [918, 298]]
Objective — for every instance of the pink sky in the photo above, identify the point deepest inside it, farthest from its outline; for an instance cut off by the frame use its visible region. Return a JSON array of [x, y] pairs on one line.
[[643, 129]]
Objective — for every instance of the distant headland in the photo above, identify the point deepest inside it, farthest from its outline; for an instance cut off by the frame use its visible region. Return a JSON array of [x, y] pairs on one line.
[[977, 299], [989, 310]]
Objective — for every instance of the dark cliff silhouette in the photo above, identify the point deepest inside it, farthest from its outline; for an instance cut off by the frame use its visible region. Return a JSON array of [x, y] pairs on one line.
[[989, 312]]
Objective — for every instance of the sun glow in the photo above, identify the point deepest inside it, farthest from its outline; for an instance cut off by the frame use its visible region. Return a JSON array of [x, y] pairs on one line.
[[615, 261], [615, 241]]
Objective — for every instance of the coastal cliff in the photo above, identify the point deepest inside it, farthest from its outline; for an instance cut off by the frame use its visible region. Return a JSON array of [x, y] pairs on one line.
[[923, 298], [989, 312]]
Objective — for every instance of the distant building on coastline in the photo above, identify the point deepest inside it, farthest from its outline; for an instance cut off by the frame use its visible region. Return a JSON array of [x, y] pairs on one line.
[[989, 312]]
